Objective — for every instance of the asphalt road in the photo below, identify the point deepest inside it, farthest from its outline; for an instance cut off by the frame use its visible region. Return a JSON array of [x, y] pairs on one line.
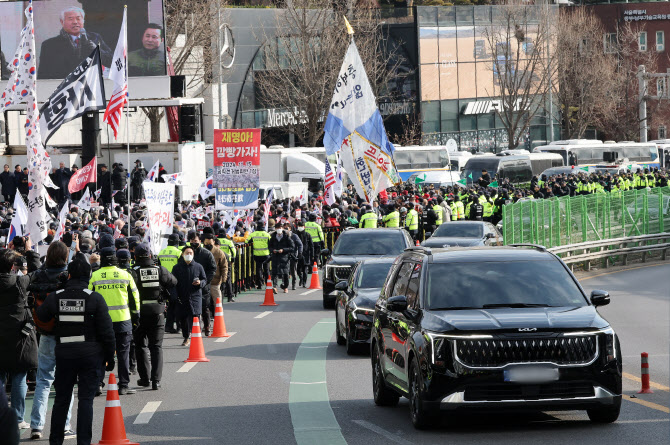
[[282, 379]]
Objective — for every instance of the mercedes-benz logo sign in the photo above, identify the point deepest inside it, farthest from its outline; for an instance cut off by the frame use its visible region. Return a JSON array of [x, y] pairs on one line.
[[227, 47]]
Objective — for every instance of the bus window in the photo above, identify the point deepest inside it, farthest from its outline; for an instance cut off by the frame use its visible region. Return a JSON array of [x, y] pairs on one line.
[[563, 153], [556, 163], [654, 153], [402, 159]]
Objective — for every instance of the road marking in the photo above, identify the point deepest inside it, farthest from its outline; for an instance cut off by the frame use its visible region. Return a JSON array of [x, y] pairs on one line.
[[619, 271], [651, 405], [186, 367], [653, 385], [382, 432], [147, 412], [222, 339], [264, 314], [311, 414], [643, 421], [313, 347], [311, 291]]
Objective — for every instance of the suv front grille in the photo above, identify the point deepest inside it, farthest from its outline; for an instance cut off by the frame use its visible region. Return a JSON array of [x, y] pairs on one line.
[[509, 391], [341, 272], [484, 353]]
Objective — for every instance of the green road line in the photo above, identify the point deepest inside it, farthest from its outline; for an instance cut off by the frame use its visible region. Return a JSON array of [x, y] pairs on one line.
[[312, 417]]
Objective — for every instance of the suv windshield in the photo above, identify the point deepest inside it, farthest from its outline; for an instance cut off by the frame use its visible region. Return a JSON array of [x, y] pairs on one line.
[[460, 230], [489, 284], [372, 275], [366, 243]]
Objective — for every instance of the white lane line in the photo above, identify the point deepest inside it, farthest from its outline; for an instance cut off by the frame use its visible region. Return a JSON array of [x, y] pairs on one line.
[[382, 432], [311, 291], [222, 339], [325, 322], [147, 412], [308, 383], [313, 347], [187, 367], [643, 421], [264, 314]]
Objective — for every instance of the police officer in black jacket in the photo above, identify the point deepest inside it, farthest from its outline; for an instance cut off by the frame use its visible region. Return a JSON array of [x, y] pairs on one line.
[[152, 283], [85, 339]]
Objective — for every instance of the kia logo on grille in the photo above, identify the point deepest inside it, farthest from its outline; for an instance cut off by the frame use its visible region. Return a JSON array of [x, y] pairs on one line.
[[527, 329]]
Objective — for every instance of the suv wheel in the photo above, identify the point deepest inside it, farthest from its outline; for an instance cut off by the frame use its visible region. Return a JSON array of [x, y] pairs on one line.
[[607, 414], [421, 418], [383, 396], [352, 348], [327, 304], [338, 335]]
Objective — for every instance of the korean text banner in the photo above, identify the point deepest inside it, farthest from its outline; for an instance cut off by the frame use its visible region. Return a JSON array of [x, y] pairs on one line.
[[160, 205], [237, 158], [67, 31], [236, 198]]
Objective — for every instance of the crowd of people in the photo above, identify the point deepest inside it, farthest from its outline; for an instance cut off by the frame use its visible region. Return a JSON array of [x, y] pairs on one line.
[[99, 299]]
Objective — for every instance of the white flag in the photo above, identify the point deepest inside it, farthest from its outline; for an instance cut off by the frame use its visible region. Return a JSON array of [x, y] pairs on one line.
[[153, 173], [175, 178], [303, 196], [61, 222], [85, 201], [20, 218], [355, 128], [338, 188], [207, 188]]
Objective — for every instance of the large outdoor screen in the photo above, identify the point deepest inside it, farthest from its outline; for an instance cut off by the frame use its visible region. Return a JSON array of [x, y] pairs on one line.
[[66, 31]]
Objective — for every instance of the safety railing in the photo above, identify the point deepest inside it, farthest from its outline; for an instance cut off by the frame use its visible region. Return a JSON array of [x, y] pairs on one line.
[[611, 251]]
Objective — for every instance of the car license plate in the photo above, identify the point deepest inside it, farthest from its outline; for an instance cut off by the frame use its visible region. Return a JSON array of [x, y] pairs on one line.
[[531, 374]]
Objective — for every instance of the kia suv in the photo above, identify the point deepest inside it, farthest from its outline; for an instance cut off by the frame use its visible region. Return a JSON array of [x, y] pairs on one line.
[[494, 328]]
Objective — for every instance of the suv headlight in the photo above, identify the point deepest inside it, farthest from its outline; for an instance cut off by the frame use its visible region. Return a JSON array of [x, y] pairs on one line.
[[610, 343], [362, 313]]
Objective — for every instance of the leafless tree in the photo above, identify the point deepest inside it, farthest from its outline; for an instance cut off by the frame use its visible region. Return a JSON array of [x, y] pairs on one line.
[[303, 57], [189, 33], [521, 40], [624, 124], [585, 75]]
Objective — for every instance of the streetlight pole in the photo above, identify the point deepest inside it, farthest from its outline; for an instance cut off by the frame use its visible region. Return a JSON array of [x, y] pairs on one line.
[[218, 65]]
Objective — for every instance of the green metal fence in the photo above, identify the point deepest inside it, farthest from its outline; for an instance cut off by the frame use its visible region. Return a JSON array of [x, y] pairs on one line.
[[569, 220]]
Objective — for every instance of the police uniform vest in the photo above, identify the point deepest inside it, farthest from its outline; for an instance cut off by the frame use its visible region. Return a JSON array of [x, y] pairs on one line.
[[392, 219], [314, 231], [477, 211], [368, 221], [412, 221], [149, 287], [169, 256], [454, 211], [260, 240], [460, 210], [438, 211], [112, 283], [228, 248], [71, 326]]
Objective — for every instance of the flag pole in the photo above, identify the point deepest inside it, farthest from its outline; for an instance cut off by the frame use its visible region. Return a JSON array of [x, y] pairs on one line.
[[125, 38]]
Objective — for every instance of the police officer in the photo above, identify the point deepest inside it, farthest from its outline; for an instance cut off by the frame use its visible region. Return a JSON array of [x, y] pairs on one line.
[[318, 241], [260, 240], [118, 289], [228, 247], [438, 213], [168, 257], [412, 223], [152, 282], [85, 341], [393, 218], [369, 219]]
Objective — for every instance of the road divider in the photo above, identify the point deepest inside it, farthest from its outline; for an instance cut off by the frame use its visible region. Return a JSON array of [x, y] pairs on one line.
[[651, 384], [644, 359]]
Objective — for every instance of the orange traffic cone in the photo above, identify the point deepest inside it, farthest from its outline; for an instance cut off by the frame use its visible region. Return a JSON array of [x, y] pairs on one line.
[[315, 284], [417, 243], [219, 323], [269, 294], [113, 429], [197, 351]]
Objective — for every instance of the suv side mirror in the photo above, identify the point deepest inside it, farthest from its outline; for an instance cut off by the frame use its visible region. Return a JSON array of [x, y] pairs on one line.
[[325, 252], [342, 285], [397, 303], [600, 298], [490, 235]]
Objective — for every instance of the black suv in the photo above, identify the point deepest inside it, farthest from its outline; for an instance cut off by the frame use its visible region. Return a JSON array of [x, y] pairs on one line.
[[354, 245], [493, 328]]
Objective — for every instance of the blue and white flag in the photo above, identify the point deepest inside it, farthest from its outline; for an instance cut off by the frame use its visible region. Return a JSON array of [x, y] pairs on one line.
[[20, 218], [355, 128]]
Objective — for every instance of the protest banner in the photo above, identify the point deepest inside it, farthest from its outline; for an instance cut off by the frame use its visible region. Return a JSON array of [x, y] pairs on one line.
[[160, 207], [237, 159]]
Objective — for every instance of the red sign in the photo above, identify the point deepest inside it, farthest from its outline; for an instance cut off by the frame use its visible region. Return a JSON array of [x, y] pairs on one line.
[[237, 158], [202, 224], [88, 173]]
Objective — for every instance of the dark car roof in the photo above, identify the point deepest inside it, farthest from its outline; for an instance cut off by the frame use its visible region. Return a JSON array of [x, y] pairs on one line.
[[376, 230], [374, 260], [487, 254]]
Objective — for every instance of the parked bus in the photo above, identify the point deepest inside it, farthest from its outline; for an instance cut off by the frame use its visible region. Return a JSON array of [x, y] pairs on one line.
[[518, 168], [585, 153], [663, 146]]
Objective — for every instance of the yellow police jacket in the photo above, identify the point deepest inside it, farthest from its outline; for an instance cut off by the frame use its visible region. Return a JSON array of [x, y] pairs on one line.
[[169, 256], [392, 219], [118, 289], [260, 241], [314, 231], [368, 221]]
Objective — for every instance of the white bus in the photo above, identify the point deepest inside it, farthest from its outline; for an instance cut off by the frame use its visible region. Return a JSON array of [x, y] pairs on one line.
[[589, 153]]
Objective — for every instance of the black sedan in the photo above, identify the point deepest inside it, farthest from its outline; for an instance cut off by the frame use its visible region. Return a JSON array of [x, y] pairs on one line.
[[355, 303], [464, 234]]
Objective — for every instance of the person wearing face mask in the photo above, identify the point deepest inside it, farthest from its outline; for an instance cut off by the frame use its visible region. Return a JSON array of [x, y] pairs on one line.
[[281, 247], [191, 279], [296, 254], [205, 258], [305, 259], [220, 275]]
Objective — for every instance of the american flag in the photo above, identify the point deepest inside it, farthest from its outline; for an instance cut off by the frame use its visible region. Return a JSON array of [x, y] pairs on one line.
[[330, 176], [118, 74]]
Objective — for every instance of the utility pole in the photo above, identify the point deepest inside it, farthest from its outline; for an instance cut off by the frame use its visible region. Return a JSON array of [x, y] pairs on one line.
[[642, 91], [218, 65]]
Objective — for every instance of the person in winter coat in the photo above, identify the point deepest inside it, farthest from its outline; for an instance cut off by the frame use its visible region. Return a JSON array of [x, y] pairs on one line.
[[205, 258], [8, 182], [288, 228], [307, 257], [220, 276], [191, 279], [281, 248], [18, 342]]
